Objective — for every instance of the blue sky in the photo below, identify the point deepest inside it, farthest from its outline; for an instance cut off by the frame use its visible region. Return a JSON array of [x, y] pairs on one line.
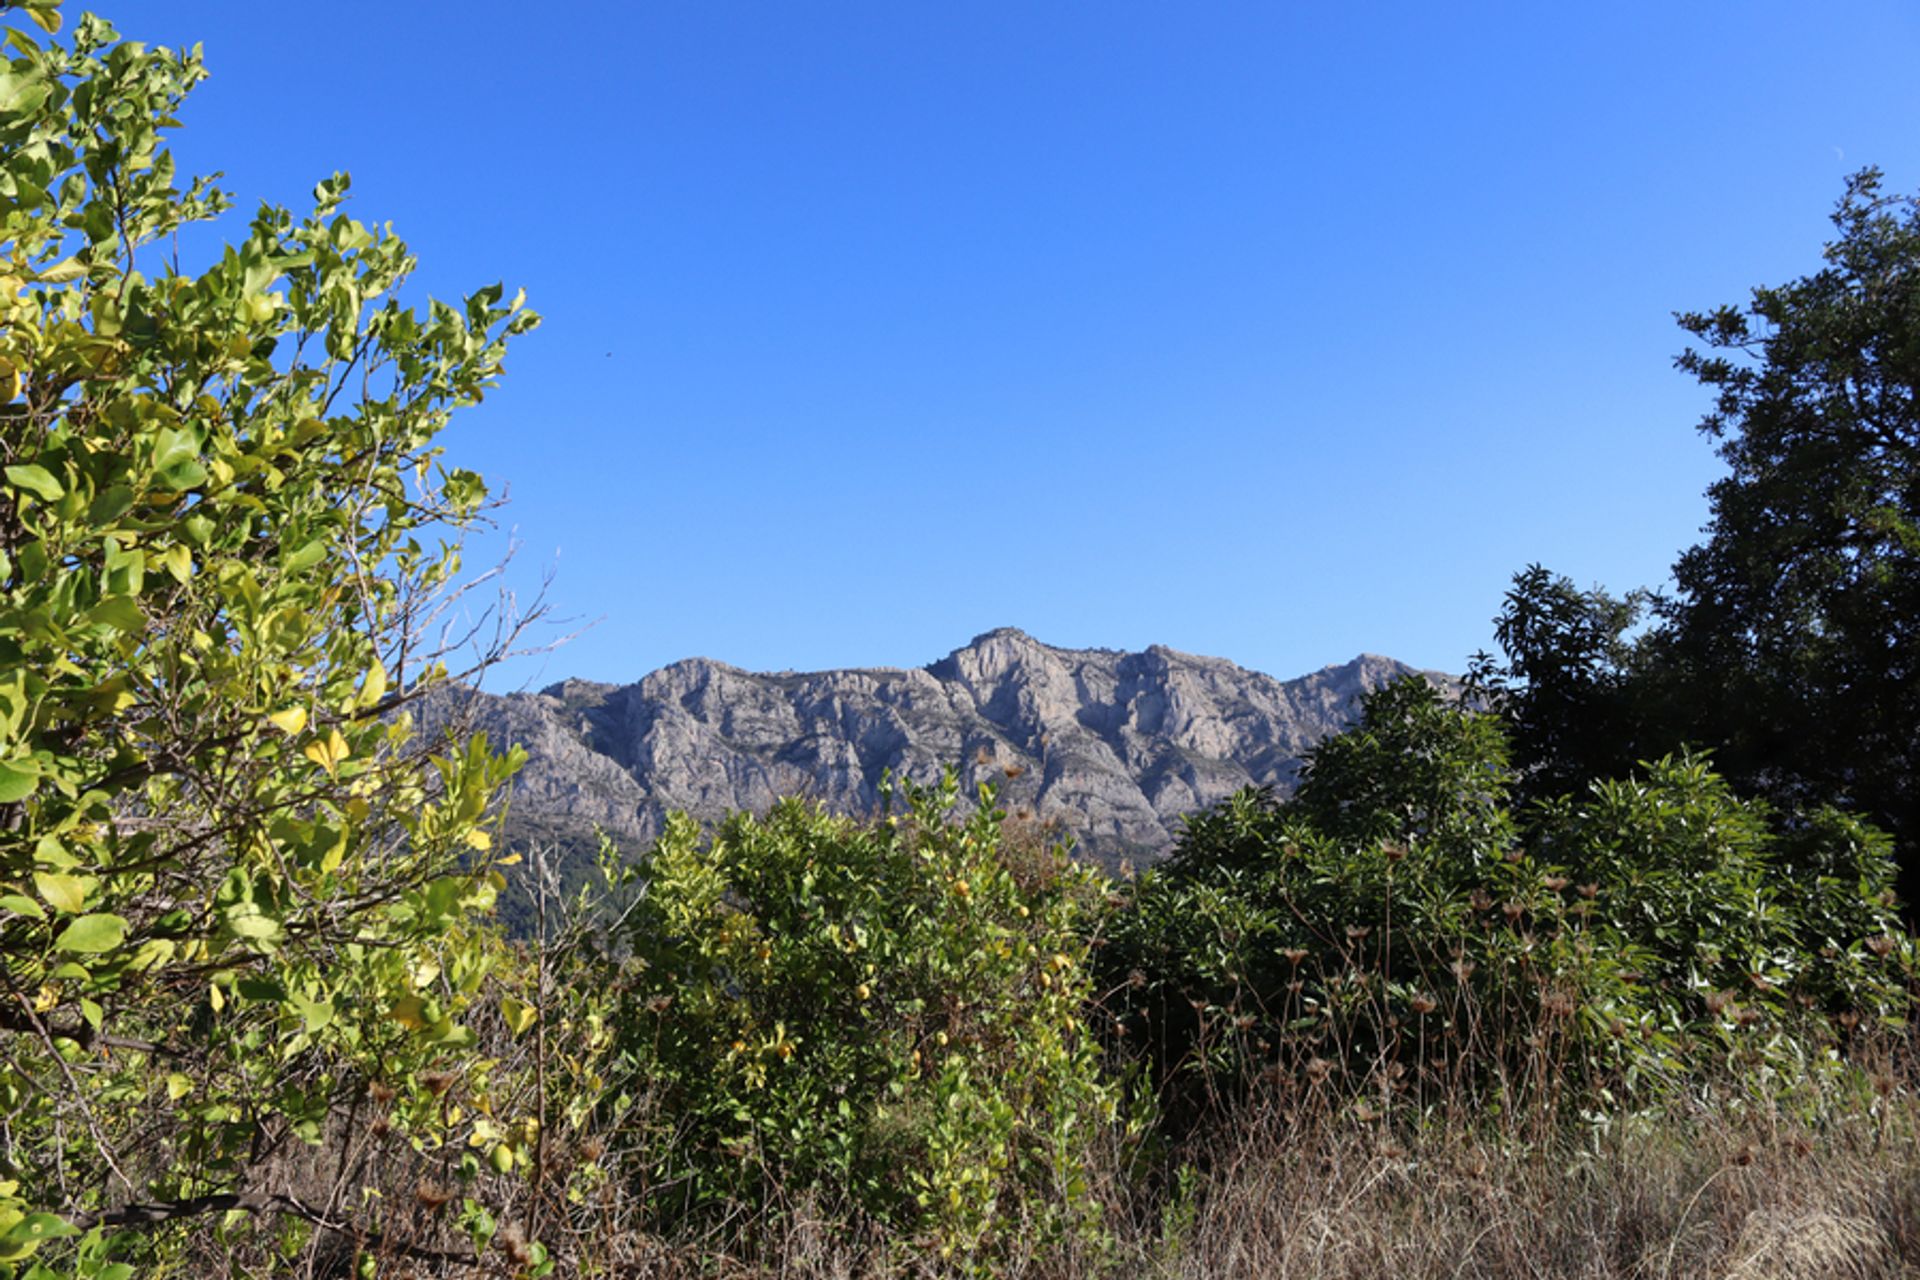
[[1278, 332]]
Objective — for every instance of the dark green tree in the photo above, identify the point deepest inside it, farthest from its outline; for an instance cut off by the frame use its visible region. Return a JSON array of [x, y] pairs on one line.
[[1795, 631], [1570, 684]]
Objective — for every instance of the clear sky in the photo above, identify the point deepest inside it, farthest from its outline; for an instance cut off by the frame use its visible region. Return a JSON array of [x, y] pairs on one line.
[[1276, 331]]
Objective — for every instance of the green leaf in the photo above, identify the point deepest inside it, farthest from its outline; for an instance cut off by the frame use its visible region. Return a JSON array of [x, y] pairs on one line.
[[92, 934], [18, 778], [26, 1235], [36, 480], [187, 474], [110, 504], [121, 613], [21, 92], [306, 557], [248, 921], [21, 905]]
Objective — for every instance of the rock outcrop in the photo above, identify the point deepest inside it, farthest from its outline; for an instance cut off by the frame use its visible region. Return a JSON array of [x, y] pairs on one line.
[[1113, 746]]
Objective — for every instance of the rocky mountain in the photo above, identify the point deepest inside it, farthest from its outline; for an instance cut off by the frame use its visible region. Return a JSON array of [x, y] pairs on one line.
[[1114, 746]]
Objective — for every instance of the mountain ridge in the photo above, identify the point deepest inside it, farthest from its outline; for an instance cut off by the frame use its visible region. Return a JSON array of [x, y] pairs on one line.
[[1114, 746]]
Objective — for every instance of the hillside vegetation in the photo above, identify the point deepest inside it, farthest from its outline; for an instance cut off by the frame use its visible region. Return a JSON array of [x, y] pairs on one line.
[[1521, 983]]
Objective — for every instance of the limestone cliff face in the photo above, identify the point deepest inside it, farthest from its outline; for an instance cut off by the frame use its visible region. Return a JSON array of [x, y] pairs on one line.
[[1115, 746]]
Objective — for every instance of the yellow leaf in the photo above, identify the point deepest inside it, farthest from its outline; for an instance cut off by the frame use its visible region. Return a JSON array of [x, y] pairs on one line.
[[291, 721], [508, 861], [178, 561], [478, 839], [62, 892], [517, 1014], [64, 271], [215, 998], [409, 1012], [330, 753]]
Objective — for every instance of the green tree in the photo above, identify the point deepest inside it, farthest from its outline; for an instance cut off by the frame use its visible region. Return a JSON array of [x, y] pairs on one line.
[[235, 890], [1795, 633], [1570, 684]]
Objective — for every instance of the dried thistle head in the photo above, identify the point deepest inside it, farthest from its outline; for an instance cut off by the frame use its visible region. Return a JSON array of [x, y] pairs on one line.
[[513, 1240], [1555, 884], [438, 1083], [1881, 946], [1423, 1004], [431, 1195], [1294, 955], [380, 1092]]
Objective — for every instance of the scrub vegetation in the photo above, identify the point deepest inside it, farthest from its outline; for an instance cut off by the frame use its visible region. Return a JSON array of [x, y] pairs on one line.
[[1599, 970]]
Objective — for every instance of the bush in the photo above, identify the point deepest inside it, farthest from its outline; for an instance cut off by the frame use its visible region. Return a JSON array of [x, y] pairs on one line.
[[883, 1015], [1398, 926], [235, 890]]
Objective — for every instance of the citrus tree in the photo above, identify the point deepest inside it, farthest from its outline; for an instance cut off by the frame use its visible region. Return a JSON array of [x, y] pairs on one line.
[[235, 887]]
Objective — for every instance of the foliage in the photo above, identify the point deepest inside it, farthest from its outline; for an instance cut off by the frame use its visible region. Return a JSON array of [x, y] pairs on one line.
[[1400, 924], [1797, 623], [1791, 646], [884, 1014], [234, 890], [1571, 688]]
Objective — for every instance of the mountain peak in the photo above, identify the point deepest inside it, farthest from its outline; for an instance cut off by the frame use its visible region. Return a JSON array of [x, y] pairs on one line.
[[1117, 746]]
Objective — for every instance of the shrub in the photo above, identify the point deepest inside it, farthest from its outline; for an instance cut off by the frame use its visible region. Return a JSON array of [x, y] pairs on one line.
[[1398, 925], [885, 1015]]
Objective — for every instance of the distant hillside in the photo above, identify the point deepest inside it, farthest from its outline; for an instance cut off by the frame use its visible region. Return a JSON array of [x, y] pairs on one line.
[[1114, 746]]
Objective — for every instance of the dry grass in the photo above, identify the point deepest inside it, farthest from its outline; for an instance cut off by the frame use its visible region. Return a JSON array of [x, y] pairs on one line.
[[1299, 1191], [1707, 1194]]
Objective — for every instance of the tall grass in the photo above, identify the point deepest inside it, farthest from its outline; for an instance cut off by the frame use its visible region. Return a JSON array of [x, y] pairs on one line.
[[1805, 1180]]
